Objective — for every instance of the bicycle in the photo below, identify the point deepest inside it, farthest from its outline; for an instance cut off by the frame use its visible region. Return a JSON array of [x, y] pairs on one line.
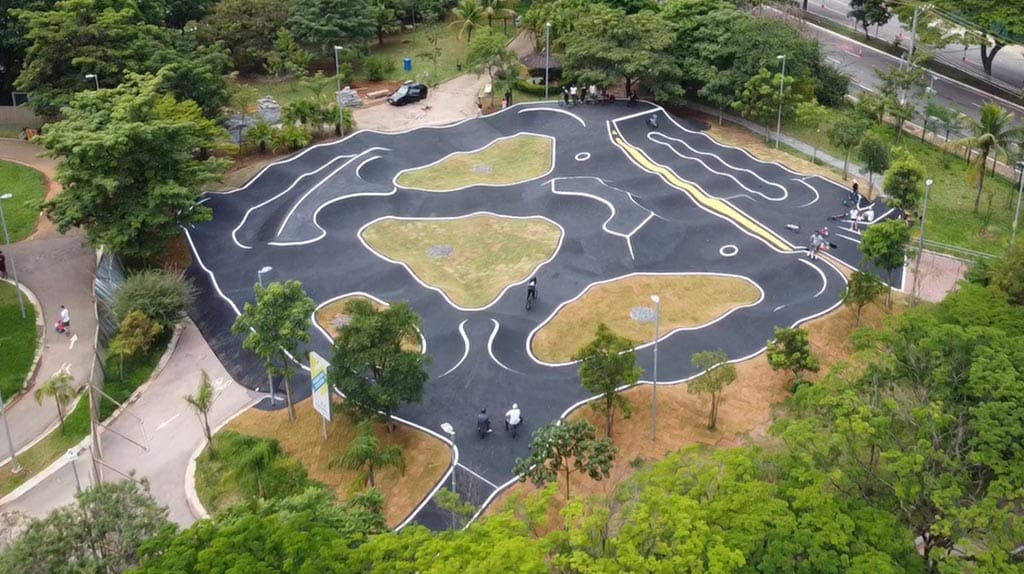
[[531, 293]]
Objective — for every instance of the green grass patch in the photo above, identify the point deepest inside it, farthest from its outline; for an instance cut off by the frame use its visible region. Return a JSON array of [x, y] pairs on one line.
[[18, 340], [224, 479], [520, 158], [28, 188]]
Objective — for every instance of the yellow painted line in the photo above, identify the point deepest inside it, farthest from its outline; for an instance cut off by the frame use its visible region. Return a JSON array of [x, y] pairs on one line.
[[713, 204]]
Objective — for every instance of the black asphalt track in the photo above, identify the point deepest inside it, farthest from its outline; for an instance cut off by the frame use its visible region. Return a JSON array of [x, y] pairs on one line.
[[301, 216]]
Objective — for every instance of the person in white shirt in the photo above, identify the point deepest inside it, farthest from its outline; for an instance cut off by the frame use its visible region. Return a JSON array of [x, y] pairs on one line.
[[65, 317], [513, 418]]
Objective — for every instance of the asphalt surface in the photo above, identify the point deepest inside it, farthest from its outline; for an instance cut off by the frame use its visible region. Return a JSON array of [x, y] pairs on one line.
[[629, 199]]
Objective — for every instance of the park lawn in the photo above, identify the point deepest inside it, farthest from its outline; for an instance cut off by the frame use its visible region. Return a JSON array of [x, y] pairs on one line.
[[489, 252], [503, 162], [426, 459], [18, 340], [76, 425], [686, 301], [332, 316], [28, 188]]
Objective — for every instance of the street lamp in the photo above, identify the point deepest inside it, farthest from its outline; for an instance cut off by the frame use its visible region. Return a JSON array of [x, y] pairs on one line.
[[654, 385], [94, 78], [7, 241], [782, 85], [270, 378], [259, 274], [337, 95], [547, 56], [450, 431], [920, 239], [1020, 190], [15, 466]]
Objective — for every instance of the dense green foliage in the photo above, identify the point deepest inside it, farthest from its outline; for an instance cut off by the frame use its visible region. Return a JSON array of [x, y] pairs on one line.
[[607, 366], [161, 296], [20, 340]]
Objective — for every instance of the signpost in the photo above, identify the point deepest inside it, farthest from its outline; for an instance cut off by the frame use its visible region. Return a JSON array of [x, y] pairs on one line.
[[321, 390]]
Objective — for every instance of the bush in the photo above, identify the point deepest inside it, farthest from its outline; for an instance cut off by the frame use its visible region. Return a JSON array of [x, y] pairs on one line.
[[537, 89], [833, 86], [377, 68], [163, 297], [289, 138]]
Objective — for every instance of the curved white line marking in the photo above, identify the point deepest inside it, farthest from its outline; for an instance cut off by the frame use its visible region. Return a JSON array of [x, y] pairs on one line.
[[730, 248], [824, 280], [316, 217], [364, 162], [561, 237], [465, 349], [582, 156], [817, 196], [785, 192], [490, 350], [609, 205], [557, 111]]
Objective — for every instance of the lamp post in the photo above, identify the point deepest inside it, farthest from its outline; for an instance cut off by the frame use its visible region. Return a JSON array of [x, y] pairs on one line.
[[7, 241], [15, 467], [270, 378], [337, 94], [259, 274], [547, 56], [782, 86], [920, 239], [94, 78], [1020, 191], [654, 385], [450, 431]]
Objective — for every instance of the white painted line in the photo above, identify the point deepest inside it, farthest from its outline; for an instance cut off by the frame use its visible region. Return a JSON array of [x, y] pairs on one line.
[[490, 347], [71, 343], [817, 196], [167, 422], [824, 280], [608, 204], [848, 238], [470, 471], [465, 348], [364, 162], [556, 110]]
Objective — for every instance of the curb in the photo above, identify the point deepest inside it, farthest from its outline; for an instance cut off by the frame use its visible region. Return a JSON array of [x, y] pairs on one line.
[[41, 332], [171, 345]]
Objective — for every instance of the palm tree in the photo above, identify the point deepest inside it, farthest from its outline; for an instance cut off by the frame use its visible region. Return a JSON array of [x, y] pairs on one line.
[[61, 387], [253, 457], [497, 9], [991, 134], [202, 403], [363, 455], [467, 16]]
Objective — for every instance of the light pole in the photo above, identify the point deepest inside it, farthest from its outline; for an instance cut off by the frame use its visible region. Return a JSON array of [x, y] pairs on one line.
[[1016, 215], [654, 385], [920, 239], [450, 431], [337, 95], [782, 85], [7, 241], [259, 274], [547, 56], [270, 378], [15, 467], [94, 78]]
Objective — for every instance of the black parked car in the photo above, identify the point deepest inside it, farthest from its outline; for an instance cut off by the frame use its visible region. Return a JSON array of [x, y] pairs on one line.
[[408, 93]]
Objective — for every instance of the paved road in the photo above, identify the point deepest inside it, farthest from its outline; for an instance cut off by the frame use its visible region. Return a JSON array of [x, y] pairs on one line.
[[628, 201]]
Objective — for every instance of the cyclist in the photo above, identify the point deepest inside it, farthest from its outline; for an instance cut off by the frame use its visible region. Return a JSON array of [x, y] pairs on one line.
[[513, 418], [531, 292], [483, 423]]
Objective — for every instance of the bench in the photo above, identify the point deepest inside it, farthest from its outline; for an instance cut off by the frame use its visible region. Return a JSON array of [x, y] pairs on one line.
[[377, 94]]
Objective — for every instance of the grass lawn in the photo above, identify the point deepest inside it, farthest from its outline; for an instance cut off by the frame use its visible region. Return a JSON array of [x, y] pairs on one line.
[[18, 340], [332, 316], [76, 426], [503, 162], [488, 252], [28, 188], [686, 301], [426, 459]]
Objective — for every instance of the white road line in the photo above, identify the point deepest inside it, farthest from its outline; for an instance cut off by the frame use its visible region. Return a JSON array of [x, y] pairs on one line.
[[490, 349], [848, 238], [785, 192], [465, 349], [817, 196], [556, 110], [777, 308], [71, 343], [364, 162], [824, 280], [167, 422], [470, 471]]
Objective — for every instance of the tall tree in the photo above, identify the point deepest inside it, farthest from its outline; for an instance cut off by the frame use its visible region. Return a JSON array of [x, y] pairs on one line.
[[992, 133], [130, 173], [862, 288], [996, 22], [760, 98], [565, 448], [14, 42], [202, 403], [903, 182], [180, 12], [716, 373], [319, 25], [845, 134], [873, 151], [488, 54], [366, 456], [1008, 274], [246, 28], [61, 386], [608, 365], [385, 20], [884, 244], [790, 350], [369, 365], [274, 326], [812, 115], [467, 15], [200, 75], [869, 13]]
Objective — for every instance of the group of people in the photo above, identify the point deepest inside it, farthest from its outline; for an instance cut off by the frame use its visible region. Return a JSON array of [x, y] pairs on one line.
[[513, 418], [579, 95]]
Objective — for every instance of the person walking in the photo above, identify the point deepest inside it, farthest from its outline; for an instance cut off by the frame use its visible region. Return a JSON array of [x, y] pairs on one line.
[[565, 95], [65, 319], [855, 194], [573, 94], [3, 265], [483, 423], [816, 240], [513, 418]]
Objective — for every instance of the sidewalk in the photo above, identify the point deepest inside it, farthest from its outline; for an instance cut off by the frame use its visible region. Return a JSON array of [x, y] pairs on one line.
[[59, 270]]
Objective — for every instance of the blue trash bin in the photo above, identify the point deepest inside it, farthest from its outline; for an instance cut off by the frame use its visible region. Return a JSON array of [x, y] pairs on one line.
[[407, 64]]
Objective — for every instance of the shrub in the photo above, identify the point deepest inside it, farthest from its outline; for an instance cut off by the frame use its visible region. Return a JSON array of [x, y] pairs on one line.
[[260, 135], [289, 138], [377, 68], [538, 89], [163, 297]]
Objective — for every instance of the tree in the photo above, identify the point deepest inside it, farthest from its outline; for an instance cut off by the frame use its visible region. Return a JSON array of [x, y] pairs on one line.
[[364, 455], [997, 23], [319, 25], [252, 459], [608, 364], [369, 365], [61, 386], [1008, 275], [247, 28], [874, 153], [790, 350], [811, 115], [497, 9], [869, 13], [102, 531], [274, 326], [467, 15], [991, 134], [487, 53], [160, 295], [884, 245], [385, 20], [129, 171], [202, 404], [13, 39], [902, 183], [862, 288], [135, 334], [845, 134], [200, 77], [287, 58], [760, 98], [716, 373], [565, 448], [181, 12]]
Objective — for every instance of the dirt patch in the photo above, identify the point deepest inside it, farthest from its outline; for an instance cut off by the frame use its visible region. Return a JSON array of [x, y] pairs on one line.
[[504, 162], [686, 301], [332, 317], [426, 458], [449, 102]]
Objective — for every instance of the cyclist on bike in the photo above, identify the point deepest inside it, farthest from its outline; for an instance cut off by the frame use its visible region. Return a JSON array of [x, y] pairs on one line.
[[483, 422], [513, 418], [531, 288]]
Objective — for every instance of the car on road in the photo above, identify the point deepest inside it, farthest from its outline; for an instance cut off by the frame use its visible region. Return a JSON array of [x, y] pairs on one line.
[[409, 92]]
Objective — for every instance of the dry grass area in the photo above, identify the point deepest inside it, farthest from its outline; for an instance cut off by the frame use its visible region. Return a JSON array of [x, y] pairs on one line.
[[426, 458], [686, 301], [520, 158], [332, 316], [488, 252], [746, 411]]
